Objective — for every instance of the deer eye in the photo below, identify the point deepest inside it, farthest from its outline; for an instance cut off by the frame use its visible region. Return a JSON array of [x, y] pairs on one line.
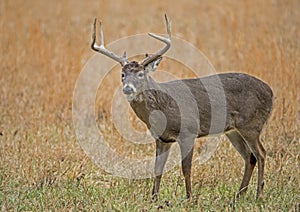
[[123, 76], [140, 74]]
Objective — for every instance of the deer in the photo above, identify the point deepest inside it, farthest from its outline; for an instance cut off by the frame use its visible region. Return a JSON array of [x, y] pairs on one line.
[[182, 110]]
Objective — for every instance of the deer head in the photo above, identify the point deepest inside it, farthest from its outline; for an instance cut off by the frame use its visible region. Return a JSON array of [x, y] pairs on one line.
[[134, 74]]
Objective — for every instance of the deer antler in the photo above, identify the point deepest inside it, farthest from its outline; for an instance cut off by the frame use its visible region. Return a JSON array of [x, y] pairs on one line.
[[101, 49], [167, 41]]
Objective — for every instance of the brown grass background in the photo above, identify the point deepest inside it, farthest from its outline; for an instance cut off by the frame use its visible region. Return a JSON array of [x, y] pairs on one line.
[[44, 45]]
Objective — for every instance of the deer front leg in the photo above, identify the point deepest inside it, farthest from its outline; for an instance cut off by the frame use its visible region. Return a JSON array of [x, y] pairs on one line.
[[162, 153], [187, 148]]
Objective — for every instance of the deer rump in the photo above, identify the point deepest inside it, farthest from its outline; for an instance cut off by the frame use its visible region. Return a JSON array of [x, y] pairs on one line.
[[203, 106]]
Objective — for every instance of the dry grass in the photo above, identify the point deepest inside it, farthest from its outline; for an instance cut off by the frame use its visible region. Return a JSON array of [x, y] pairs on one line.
[[43, 49]]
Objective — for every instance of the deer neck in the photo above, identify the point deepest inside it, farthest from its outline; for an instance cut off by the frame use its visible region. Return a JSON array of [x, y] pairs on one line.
[[143, 103], [150, 84]]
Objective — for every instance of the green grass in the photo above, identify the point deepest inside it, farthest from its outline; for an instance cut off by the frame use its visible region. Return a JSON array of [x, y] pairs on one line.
[[44, 46], [134, 195], [58, 182]]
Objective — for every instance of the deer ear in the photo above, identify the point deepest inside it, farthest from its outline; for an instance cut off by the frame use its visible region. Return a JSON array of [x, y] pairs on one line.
[[152, 66]]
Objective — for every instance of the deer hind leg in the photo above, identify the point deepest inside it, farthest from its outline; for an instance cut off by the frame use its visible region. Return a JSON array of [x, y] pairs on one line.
[[240, 145], [162, 153], [251, 137]]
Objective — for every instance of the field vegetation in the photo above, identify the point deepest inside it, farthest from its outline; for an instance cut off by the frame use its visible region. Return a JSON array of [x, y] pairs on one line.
[[44, 46]]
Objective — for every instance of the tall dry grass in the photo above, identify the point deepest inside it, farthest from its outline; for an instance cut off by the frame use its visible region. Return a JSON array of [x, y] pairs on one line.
[[44, 46]]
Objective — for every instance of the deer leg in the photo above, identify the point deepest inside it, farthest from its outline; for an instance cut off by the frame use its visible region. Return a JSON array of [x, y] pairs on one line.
[[186, 148], [257, 149], [240, 145], [261, 166], [162, 153]]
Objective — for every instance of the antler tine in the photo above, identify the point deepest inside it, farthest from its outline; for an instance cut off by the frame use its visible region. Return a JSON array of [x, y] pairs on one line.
[[101, 49], [167, 41], [101, 34], [94, 35]]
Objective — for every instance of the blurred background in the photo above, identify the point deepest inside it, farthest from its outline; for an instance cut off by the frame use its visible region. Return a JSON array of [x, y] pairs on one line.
[[45, 44]]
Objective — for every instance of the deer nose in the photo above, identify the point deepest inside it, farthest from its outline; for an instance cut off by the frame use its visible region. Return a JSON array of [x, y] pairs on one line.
[[128, 89]]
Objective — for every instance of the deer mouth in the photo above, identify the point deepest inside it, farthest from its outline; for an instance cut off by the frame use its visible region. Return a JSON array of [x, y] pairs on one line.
[[129, 91], [130, 97]]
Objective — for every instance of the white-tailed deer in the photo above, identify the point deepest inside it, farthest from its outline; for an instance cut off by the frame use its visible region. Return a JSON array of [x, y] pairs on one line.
[[182, 110]]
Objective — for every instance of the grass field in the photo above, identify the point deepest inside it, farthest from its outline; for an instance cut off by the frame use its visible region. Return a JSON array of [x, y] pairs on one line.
[[44, 46]]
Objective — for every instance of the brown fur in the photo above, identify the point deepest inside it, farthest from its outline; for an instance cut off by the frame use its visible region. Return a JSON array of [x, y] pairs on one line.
[[247, 106]]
